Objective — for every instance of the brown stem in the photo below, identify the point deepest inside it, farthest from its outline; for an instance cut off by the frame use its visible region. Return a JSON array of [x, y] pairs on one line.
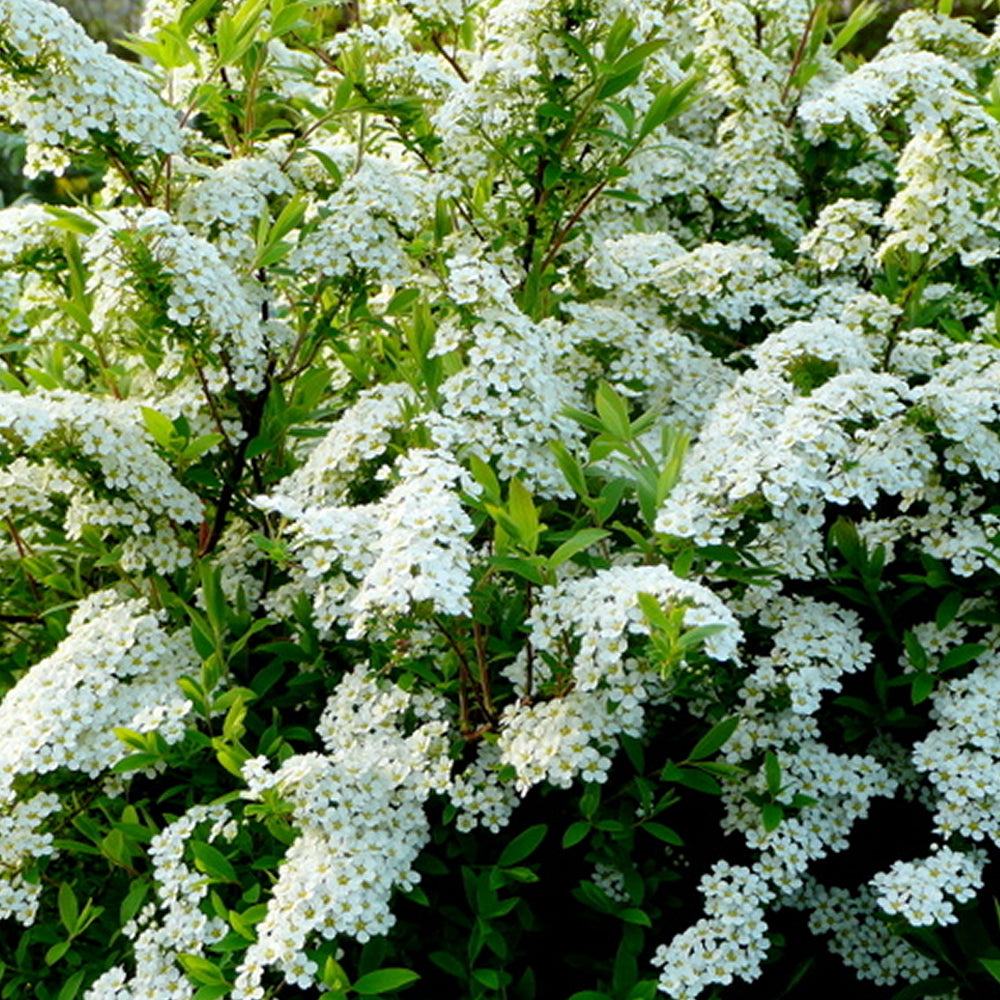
[[482, 663], [253, 418], [449, 58]]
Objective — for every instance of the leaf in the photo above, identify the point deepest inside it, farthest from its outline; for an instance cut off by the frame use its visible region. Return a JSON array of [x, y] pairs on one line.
[[135, 762], [633, 915], [668, 102], [522, 845], [575, 832], [581, 540], [384, 981], [947, 609], [772, 771], [664, 833], [570, 467], [57, 951], [915, 652], [449, 963], [490, 978], [616, 84], [613, 412], [161, 428], [69, 910], [961, 655], [193, 14], [992, 966], [923, 685], [201, 970], [714, 738], [772, 815], [212, 862], [524, 514]]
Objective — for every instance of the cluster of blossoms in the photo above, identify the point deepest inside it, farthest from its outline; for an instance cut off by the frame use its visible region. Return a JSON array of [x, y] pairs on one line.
[[205, 300], [410, 547], [358, 810], [181, 928], [117, 668], [917, 889], [62, 87]]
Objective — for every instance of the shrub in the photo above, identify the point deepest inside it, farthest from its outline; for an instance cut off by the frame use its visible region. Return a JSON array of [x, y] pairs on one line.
[[478, 476]]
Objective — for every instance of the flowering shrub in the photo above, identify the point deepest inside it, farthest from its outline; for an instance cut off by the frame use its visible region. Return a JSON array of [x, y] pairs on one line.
[[500, 500]]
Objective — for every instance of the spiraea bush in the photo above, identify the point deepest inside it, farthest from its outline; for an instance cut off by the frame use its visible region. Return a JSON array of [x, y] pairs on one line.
[[500, 500]]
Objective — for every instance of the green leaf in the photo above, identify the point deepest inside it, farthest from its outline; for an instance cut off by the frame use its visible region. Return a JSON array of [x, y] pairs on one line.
[[135, 762], [634, 58], [449, 963], [714, 738], [212, 992], [961, 655], [915, 652], [613, 412], [69, 910], [161, 428], [199, 446], [663, 833], [616, 84], [948, 608], [201, 970], [72, 985], [864, 14], [57, 951], [194, 13], [923, 685], [992, 966], [212, 862], [772, 815], [524, 514], [581, 540], [522, 845], [633, 915], [489, 978], [772, 771], [384, 981], [668, 102], [575, 832], [590, 995]]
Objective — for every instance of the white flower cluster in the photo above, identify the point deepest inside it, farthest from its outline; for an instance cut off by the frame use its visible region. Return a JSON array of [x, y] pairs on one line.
[[573, 734], [410, 547], [359, 810], [226, 201], [840, 237], [840, 788], [861, 936], [961, 755], [945, 173], [182, 928], [361, 433], [814, 646], [358, 227], [509, 398], [206, 297], [729, 283], [136, 490], [817, 424], [62, 87], [730, 942], [918, 889], [479, 795], [117, 667]]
